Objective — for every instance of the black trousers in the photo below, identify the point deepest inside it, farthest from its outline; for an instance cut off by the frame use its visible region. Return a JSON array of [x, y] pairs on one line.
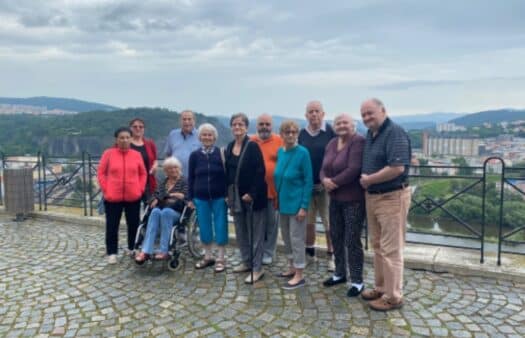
[[113, 214], [346, 224]]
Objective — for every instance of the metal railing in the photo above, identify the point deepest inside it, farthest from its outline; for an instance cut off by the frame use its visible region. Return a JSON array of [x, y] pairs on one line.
[[72, 182]]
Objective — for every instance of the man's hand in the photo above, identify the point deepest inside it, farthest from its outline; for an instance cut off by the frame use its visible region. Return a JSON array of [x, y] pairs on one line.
[[246, 198], [365, 181]]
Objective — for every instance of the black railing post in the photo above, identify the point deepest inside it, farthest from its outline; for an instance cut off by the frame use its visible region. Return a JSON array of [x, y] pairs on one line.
[[500, 231], [483, 219], [2, 158], [84, 189], [90, 187], [44, 183], [38, 168]]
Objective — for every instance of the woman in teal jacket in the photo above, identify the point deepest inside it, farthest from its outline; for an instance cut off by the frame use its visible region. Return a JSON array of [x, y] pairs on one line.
[[293, 182]]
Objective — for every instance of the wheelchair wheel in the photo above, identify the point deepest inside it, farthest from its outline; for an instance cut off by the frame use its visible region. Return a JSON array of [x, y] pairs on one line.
[[193, 238], [174, 264]]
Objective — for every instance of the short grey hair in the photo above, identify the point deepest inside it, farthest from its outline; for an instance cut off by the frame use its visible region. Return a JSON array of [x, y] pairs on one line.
[[208, 127], [171, 161], [379, 103]]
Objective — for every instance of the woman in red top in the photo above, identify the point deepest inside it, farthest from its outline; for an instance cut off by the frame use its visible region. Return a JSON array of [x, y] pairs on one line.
[[147, 148], [122, 179]]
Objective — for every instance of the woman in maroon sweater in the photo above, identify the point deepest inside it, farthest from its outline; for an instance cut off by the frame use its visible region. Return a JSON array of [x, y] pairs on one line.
[[340, 174], [147, 148]]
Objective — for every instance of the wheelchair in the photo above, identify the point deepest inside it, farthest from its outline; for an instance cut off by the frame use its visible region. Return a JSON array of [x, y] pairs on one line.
[[187, 222]]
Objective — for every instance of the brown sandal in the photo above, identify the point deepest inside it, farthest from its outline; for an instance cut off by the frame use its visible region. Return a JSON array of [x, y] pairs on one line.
[[204, 263], [220, 265]]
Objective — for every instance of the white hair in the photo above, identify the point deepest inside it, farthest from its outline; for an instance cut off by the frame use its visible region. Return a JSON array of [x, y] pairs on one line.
[[171, 162], [208, 127]]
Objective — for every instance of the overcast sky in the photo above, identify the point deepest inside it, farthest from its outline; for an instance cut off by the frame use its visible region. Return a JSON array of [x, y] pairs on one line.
[[220, 57]]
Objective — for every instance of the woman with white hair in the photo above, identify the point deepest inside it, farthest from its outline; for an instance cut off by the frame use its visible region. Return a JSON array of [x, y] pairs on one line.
[[340, 175], [167, 205], [207, 192]]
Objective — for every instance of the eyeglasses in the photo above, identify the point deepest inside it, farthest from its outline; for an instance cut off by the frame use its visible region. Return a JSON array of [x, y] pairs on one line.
[[264, 124], [137, 127], [290, 132]]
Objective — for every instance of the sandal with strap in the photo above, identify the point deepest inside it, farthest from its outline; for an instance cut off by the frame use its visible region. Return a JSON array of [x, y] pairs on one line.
[[141, 257], [204, 263], [220, 265]]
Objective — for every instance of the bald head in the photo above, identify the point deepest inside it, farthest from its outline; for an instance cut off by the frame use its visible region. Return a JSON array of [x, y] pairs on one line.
[[373, 113], [264, 126]]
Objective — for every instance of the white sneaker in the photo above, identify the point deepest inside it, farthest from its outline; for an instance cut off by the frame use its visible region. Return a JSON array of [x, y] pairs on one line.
[[331, 265], [267, 260], [112, 259]]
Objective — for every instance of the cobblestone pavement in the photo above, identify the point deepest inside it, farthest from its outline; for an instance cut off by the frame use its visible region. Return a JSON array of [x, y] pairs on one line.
[[55, 282]]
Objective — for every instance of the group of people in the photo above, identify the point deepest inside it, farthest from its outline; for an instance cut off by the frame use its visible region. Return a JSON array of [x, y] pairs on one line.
[[269, 181]]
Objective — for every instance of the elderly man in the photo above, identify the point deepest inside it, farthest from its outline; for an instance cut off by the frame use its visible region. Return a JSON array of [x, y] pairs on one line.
[[386, 160], [269, 143], [183, 141], [315, 137]]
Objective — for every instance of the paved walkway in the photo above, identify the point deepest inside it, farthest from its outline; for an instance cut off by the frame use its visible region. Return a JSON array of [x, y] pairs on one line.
[[54, 282]]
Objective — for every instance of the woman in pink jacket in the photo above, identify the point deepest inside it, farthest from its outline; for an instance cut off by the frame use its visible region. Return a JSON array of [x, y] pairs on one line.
[[122, 179]]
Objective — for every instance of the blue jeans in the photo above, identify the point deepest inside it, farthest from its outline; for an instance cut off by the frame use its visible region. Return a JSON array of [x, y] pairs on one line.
[[163, 219], [212, 219]]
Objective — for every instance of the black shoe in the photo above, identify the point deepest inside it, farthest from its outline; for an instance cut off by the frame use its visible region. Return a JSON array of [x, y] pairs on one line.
[[331, 282], [354, 291]]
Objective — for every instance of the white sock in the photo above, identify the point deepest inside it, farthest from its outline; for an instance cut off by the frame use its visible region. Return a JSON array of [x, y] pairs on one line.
[[358, 286]]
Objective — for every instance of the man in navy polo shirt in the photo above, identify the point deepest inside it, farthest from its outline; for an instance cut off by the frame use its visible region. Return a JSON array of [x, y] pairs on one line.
[[386, 160], [315, 137]]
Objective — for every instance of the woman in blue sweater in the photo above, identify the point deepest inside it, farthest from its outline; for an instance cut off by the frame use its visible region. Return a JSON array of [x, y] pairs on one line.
[[207, 190], [293, 182]]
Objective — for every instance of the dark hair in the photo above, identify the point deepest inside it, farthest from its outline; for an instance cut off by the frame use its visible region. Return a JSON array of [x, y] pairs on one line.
[[242, 116], [135, 120], [122, 129]]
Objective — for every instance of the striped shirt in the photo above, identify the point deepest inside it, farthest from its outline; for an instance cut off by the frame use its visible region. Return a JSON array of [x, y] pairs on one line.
[[390, 147]]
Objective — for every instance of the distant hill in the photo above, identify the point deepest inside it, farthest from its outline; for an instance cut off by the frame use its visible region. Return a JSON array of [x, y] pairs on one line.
[[58, 103], [490, 116], [409, 122], [89, 131]]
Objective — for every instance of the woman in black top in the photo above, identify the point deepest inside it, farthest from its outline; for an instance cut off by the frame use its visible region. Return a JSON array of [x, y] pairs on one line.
[[246, 196]]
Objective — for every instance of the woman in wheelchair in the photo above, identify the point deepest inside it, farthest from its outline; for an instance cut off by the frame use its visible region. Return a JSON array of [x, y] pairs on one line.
[[166, 208]]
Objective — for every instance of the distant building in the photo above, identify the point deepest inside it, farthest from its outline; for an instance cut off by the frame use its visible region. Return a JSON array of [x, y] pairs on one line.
[[446, 127], [456, 146]]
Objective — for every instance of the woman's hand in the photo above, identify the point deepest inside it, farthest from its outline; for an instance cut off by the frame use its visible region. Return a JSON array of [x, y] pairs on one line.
[[329, 185], [154, 203], [177, 195], [191, 205], [301, 215], [246, 198]]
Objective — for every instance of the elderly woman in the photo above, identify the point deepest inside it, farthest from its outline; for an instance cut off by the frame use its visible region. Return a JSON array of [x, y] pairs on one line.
[[293, 183], [246, 197], [340, 175], [147, 148], [122, 179], [207, 192], [167, 204]]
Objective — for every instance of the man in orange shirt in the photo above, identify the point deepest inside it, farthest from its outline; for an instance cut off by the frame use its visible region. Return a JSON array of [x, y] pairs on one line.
[[269, 143]]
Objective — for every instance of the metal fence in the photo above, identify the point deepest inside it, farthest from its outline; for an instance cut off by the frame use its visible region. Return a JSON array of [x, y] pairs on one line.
[[492, 193]]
